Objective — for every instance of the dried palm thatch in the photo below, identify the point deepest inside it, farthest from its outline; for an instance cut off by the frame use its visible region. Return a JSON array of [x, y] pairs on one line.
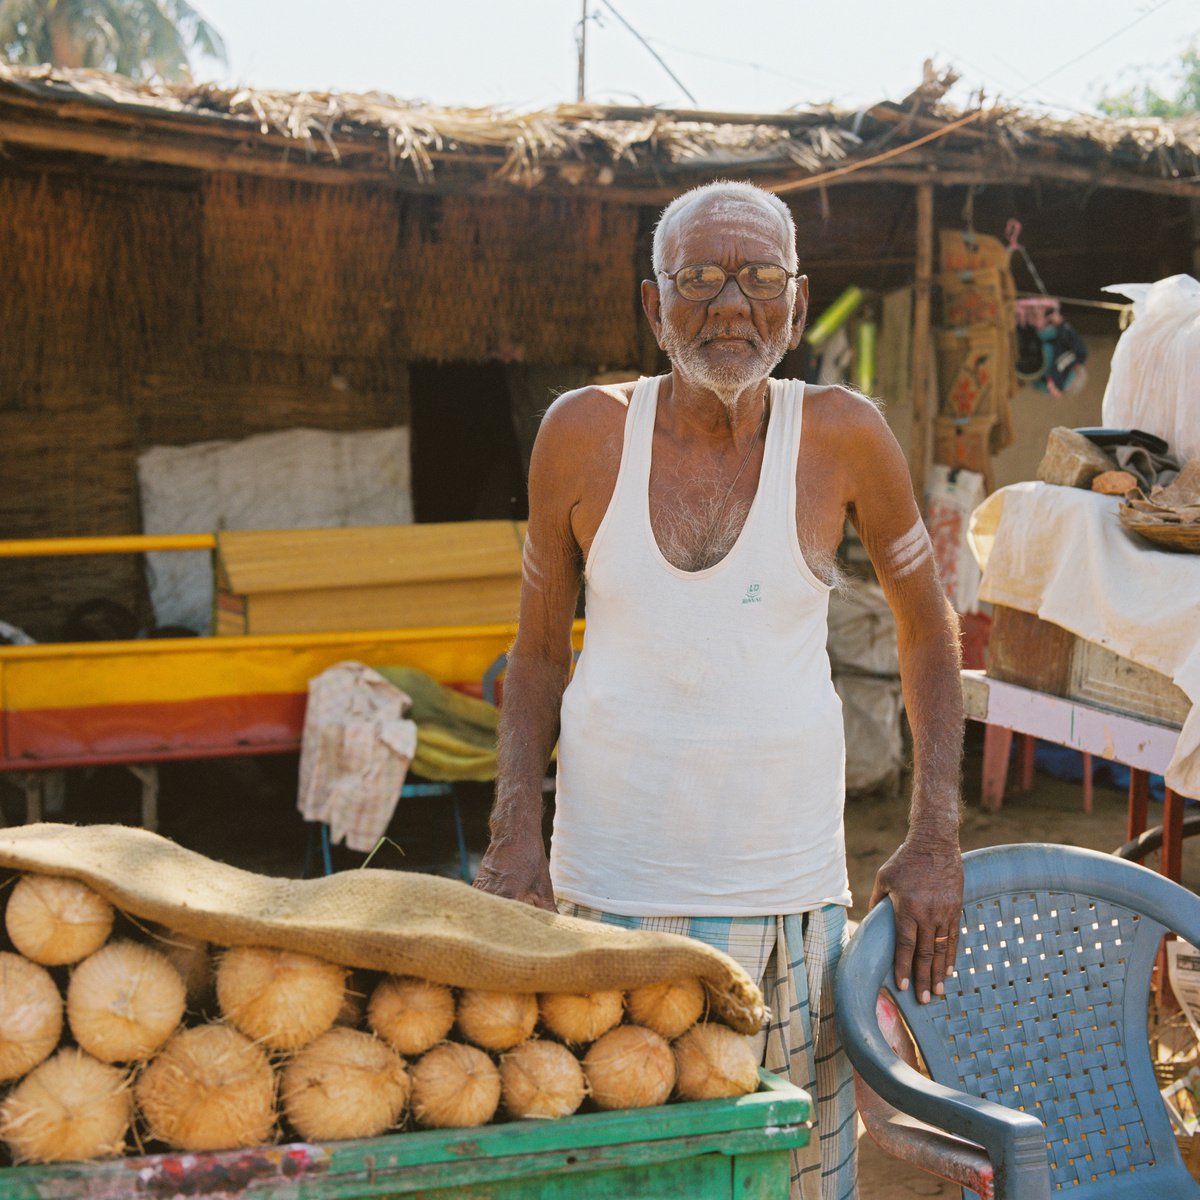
[[372, 133], [86, 280], [385, 134], [295, 268], [73, 466], [177, 410], [1169, 149], [518, 279], [302, 270]]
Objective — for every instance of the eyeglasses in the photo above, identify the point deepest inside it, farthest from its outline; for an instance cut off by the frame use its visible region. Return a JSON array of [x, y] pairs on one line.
[[758, 281]]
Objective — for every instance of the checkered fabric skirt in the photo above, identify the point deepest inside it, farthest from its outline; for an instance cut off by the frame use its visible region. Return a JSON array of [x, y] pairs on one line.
[[801, 1040]]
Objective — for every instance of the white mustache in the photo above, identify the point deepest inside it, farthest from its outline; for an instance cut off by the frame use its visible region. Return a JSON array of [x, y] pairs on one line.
[[749, 335]]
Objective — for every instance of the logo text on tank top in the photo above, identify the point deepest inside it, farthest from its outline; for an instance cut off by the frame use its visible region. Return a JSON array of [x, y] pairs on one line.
[[753, 595]]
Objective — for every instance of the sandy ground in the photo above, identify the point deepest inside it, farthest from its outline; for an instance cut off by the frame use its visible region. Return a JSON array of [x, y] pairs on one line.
[[243, 812]]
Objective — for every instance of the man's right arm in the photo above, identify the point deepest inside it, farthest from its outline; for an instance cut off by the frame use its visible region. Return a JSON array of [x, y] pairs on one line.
[[539, 666]]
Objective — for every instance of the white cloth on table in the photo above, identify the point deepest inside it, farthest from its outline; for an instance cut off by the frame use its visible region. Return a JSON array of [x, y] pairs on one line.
[[355, 753], [1062, 554]]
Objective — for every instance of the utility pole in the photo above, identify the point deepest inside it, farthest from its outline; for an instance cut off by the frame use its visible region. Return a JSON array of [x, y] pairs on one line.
[[581, 91]]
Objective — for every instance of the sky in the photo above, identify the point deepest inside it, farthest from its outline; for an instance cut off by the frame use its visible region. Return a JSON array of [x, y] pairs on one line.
[[730, 55]]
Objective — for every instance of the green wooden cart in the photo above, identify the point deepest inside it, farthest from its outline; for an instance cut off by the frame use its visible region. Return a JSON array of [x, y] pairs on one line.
[[736, 1149]]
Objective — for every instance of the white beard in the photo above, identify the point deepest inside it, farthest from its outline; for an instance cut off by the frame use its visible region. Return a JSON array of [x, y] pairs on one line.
[[726, 381]]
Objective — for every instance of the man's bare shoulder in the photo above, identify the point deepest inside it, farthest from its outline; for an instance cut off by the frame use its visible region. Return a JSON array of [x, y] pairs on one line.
[[593, 404], [585, 417], [847, 443], [840, 414]]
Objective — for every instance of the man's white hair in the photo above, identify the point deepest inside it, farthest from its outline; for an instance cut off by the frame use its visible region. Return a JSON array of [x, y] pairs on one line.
[[725, 193]]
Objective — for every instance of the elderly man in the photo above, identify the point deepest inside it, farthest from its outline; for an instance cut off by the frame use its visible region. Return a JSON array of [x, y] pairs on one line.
[[701, 750]]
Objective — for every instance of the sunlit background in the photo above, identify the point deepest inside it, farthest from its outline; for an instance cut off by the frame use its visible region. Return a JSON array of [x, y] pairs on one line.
[[762, 56]]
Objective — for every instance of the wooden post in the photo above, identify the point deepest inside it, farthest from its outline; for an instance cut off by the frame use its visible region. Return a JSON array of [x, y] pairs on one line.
[[922, 426]]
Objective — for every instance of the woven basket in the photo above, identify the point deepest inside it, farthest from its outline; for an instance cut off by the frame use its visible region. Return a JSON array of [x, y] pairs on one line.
[[1185, 538]]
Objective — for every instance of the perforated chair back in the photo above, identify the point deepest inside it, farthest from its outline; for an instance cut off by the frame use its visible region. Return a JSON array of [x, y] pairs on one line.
[[1046, 1016]]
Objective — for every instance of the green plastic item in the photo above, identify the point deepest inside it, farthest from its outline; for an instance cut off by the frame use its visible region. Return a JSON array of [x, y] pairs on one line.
[[834, 317], [864, 357], [736, 1149]]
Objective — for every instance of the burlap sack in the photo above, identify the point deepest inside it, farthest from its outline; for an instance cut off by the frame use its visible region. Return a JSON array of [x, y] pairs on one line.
[[393, 921]]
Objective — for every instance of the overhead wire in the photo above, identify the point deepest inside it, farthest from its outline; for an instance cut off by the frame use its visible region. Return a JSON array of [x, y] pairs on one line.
[[657, 57], [734, 62], [896, 151], [1029, 85], [1091, 50], [649, 44]]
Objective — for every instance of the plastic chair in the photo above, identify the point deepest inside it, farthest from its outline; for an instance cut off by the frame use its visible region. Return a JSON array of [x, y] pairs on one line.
[[1041, 1075]]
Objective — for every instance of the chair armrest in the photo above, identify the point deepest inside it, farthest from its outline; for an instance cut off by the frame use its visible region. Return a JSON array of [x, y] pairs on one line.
[[904, 1137], [941, 1154], [1015, 1142]]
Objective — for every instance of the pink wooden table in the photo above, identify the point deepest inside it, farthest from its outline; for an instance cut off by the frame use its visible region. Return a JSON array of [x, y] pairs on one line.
[[1143, 745]]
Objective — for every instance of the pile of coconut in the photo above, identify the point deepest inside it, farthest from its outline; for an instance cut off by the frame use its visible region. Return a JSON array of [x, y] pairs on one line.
[[167, 1043]]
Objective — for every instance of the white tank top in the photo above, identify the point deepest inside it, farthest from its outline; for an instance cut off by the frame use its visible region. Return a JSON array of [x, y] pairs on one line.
[[701, 767]]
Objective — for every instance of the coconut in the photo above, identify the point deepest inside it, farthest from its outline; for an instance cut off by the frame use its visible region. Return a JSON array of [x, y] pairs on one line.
[[541, 1079], [124, 1001], [496, 1020], [667, 1008], [56, 921], [629, 1067], [346, 1084], [410, 1014], [579, 1018], [455, 1087], [71, 1107], [209, 1088], [712, 1062], [31, 1015], [279, 997]]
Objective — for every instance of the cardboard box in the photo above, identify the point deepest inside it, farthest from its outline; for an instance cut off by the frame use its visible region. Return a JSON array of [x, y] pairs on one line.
[[1025, 650], [376, 577]]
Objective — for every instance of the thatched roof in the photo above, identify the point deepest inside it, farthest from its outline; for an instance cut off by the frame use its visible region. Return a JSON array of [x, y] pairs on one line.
[[352, 137]]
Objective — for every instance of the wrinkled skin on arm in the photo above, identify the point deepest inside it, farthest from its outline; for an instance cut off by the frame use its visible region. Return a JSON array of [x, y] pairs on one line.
[[924, 876], [539, 663]]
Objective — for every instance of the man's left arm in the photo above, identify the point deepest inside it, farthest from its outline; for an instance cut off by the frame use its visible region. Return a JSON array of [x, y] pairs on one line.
[[924, 876]]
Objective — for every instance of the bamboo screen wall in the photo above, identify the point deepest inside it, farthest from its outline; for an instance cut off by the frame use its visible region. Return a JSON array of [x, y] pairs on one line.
[[146, 310]]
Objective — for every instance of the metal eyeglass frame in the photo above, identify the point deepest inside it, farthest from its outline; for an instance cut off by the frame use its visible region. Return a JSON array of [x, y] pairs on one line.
[[737, 275]]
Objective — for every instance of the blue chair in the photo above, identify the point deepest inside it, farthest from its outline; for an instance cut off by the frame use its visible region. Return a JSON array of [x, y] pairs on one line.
[[1040, 1077]]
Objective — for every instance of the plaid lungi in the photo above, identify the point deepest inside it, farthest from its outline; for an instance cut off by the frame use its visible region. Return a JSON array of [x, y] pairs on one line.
[[801, 1043]]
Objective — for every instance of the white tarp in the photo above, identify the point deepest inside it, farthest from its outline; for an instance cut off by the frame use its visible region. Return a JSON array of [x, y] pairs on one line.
[[1152, 381], [295, 479], [955, 493], [866, 676]]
